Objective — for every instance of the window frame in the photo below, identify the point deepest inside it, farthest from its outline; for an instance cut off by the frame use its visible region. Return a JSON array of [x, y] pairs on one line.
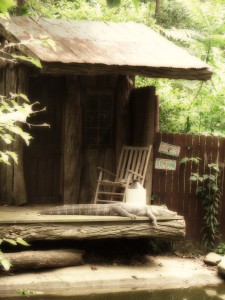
[[99, 92]]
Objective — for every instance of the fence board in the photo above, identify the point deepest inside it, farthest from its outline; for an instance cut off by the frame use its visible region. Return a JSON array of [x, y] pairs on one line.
[[174, 189]]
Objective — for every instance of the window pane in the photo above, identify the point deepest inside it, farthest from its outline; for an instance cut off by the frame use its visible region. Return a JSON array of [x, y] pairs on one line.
[[106, 103], [91, 136], [105, 120], [105, 137], [92, 119], [93, 102]]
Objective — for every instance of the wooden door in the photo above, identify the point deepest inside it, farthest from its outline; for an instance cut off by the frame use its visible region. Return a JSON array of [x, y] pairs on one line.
[[144, 116], [42, 159]]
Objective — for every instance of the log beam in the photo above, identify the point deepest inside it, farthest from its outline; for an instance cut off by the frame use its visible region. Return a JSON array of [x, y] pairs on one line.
[[44, 259], [151, 72], [166, 230]]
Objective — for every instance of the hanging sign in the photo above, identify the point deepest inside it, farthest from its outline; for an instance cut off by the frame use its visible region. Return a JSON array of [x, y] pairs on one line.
[[165, 164], [169, 149]]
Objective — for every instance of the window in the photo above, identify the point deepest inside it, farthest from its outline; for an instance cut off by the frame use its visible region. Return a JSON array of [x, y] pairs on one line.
[[99, 120]]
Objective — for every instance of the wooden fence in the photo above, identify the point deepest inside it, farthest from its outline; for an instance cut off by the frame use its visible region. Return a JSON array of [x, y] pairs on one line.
[[174, 188]]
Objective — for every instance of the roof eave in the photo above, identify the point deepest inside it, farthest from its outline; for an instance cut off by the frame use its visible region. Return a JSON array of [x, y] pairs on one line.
[[201, 74]]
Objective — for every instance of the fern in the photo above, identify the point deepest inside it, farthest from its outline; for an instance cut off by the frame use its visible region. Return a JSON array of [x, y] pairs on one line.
[[183, 35]]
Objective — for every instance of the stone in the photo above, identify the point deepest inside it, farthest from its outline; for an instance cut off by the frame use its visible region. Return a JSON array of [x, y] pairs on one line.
[[221, 267], [211, 293], [212, 259]]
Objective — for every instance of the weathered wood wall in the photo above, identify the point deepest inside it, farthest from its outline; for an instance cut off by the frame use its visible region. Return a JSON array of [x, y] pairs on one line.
[[174, 189], [12, 183], [133, 125], [42, 158]]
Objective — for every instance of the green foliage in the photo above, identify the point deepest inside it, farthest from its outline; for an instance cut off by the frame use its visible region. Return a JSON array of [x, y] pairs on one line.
[[33, 61], [12, 114], [93, 10], [209, 191], [220, 248], [159, 247], [5, 5], [185, 107], [193, 107], [14, 110], [26, 292], [14, 242]]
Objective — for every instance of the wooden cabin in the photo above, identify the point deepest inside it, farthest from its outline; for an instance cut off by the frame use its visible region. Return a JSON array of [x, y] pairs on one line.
[[87, 84]]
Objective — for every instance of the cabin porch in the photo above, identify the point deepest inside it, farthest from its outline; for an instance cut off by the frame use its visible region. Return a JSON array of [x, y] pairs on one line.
[[27, 223]]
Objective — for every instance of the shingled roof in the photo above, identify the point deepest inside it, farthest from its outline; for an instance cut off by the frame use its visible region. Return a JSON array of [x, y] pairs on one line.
[[94, 47]]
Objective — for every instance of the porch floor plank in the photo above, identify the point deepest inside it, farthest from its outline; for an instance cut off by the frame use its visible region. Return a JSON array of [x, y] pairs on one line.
[[26, 222], [31, 214]]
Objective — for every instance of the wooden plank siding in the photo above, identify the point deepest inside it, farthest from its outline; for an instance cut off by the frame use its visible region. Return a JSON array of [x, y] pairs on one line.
[[174, 188]]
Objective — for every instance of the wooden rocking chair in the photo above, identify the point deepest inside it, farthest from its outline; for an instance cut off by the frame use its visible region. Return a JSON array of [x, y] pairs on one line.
[[132, 166]]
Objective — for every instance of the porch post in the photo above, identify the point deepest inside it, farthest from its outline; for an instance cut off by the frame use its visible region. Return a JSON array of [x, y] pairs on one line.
[[72, 142]]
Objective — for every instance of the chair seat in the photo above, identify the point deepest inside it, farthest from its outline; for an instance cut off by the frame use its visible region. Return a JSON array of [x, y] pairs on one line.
[[112, 183]]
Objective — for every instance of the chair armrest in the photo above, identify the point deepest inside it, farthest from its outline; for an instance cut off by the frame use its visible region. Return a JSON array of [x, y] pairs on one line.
[[106, 171], [135, 173]]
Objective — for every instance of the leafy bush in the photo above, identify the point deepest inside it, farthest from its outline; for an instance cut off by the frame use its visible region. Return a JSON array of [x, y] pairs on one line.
[[209, 192]]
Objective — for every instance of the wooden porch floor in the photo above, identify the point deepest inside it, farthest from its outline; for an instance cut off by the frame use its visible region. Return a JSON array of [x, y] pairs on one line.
[[26, 222]]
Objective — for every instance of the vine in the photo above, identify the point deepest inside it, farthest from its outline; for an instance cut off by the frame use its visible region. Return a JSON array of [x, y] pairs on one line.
[[209, 191]]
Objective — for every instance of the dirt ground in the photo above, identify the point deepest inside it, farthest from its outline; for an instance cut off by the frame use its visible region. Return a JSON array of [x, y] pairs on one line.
[[152, 273]]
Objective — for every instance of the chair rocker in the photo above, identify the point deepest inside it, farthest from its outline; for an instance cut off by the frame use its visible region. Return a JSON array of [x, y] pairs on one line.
[[132, 166]]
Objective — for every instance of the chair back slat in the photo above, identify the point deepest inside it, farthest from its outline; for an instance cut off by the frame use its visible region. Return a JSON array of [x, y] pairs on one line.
[[138, 164], [124, 157], [134, 159]]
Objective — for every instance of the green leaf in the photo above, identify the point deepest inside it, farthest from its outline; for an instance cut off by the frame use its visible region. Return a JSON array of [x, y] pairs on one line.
[[215, 187], [52, 44], [136, 4], [4, 158], [5, 5], [195, 159], [13, 156], [113, 3], [5, 263], [195, 174], [214, 167], [10, 241], [212, 177], [5, 16], [184, 160], [22, 242], [24, 97], [217, 40], [36, 62], [193, 178]]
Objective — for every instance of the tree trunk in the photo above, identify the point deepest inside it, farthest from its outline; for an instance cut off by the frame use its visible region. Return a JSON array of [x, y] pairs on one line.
[[44, 259], [158, 4], [19, 9]]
